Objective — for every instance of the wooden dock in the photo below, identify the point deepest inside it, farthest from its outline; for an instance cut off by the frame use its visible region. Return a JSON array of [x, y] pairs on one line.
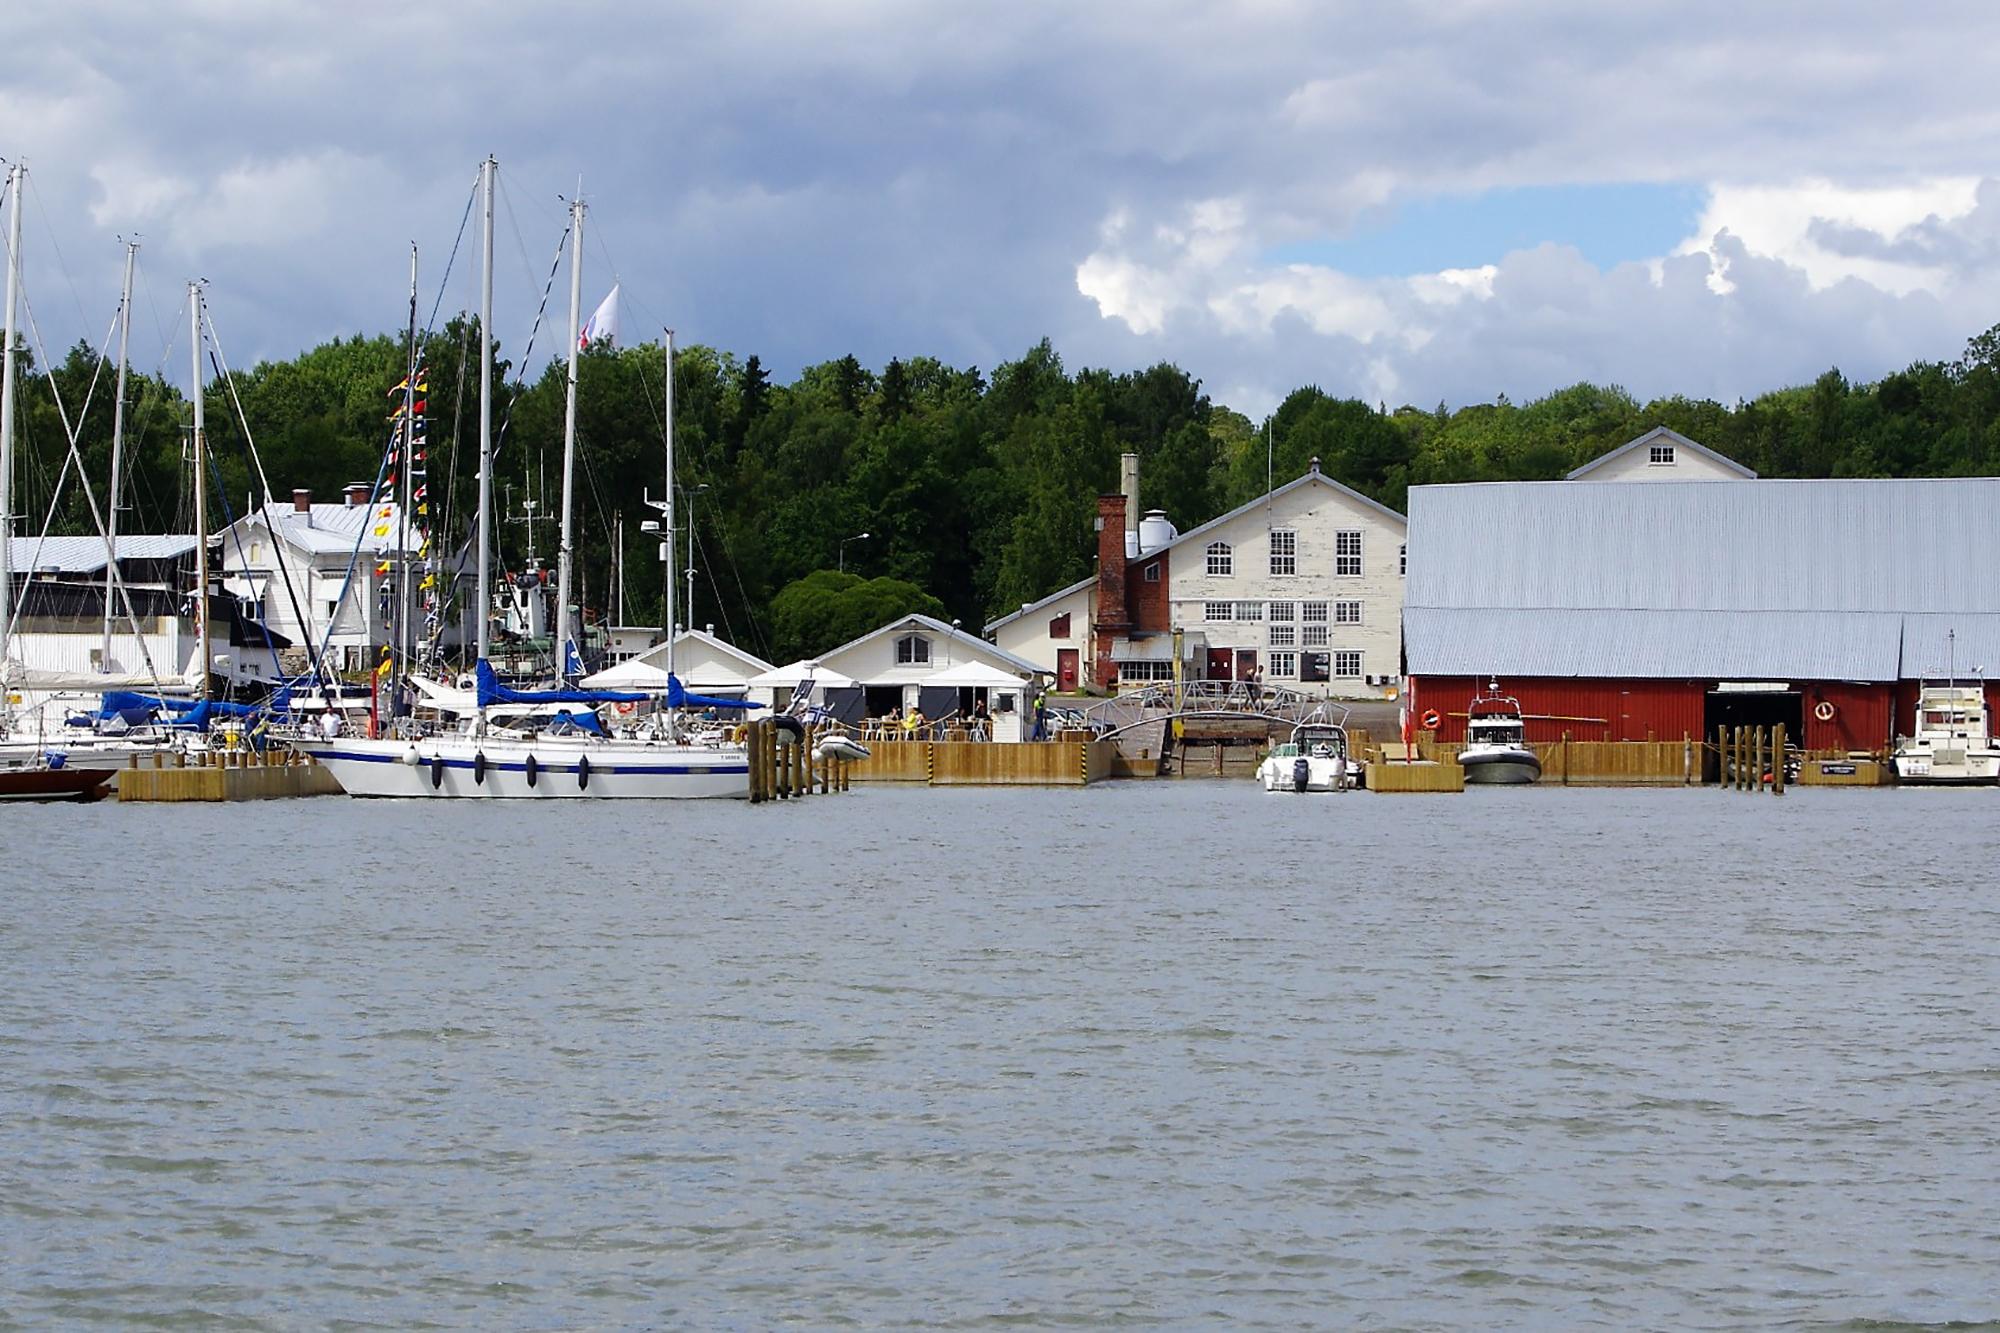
[[1063, 763], [1423, 775], [226, 775]]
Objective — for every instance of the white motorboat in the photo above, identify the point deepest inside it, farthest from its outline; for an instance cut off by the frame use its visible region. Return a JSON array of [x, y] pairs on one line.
[[1314, 759], [1496, 749], [1951, 741]]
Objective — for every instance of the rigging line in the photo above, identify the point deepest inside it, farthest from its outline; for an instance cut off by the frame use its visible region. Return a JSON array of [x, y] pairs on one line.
[[89, 493], [168, 341], [243, 561], [742, 592], [255, 457], [62, 264], [514, 395], [514, 225], [459, 240]]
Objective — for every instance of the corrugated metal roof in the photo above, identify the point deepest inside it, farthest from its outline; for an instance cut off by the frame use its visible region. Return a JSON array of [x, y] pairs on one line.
[[1695, 645], [82, 555], [1901, 546], [332, 529], [1963, 645]]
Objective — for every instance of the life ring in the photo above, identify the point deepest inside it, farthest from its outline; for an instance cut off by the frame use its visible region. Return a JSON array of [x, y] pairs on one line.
[[1431, 720], [1823, 710], [627, 707]]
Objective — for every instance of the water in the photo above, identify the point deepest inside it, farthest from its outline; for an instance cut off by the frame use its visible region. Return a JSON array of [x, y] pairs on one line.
[[1176, 1054]]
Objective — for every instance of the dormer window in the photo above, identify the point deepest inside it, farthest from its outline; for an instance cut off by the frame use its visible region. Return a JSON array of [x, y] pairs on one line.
[[1221, 560], [1663, 455], [913, 650]]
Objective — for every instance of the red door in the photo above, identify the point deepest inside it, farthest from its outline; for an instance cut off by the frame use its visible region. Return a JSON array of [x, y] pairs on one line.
[[1066, 666], [1218, 663]]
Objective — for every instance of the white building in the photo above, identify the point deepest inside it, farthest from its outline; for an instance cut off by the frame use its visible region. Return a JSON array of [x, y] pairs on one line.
[[326, 558], [1662, 455], [1300, 588], [704, 663], [939, 669]]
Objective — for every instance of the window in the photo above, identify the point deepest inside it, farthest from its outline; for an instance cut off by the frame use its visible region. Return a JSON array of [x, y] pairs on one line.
[[1221, 560], [1284, 611], [1312, 666], [1059, 627], [1284, 636], [1347, 665], [1347, 613], [1403, 558], [913, 650], [1131, 671], [1312, 636], [1284, 552], [1213, 611], [1346, 554], [1153, 572], [1312, 611], [1284, 664], [1249, 610], [1663, 455]]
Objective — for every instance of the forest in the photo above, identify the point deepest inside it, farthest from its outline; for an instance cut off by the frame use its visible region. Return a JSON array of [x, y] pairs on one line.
[[975, 487]]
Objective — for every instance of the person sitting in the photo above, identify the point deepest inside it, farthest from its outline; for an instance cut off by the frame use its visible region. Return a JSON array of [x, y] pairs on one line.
[[979, 721], [913, 722]]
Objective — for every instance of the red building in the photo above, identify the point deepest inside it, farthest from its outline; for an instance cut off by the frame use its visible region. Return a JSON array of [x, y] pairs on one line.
[[1621, 611]]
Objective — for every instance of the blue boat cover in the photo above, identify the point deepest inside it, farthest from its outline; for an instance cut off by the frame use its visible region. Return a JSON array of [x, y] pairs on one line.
[[491, 691], [678, 697]]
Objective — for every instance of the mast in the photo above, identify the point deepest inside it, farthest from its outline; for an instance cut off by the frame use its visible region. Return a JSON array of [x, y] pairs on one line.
[[566, 549], [668, 535], [483, 608], [13, 194], [200, 486], [401, 493], [117, 450]]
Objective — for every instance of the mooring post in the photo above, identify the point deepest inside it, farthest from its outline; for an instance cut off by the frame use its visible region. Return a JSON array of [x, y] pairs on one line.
[[1778, 761]]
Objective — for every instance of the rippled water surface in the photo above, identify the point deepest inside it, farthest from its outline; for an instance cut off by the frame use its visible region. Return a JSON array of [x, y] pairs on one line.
[[1149, 1053]]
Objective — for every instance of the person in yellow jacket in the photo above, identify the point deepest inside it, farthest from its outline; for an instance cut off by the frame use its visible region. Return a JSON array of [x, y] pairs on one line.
[[913, 722]]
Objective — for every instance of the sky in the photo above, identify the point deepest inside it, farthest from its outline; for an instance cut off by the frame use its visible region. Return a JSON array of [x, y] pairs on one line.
[[1435, 203]]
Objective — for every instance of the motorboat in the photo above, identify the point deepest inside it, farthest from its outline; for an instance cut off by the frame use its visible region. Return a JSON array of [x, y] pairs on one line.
[[1496, 750], [1314, 759], [1950, 741], [29, 772]]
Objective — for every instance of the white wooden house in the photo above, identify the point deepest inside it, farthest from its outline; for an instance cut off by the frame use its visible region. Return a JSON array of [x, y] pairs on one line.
[[921, 662], [1300, 588]]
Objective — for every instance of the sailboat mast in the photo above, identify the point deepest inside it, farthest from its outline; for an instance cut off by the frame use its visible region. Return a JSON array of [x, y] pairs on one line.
[[200, 487], [117, 449], [566, 551], [668, 534], [13, 199], [483, 608], [401, 492]]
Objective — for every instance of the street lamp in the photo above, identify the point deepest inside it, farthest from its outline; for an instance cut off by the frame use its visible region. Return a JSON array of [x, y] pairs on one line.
[[857, 537]]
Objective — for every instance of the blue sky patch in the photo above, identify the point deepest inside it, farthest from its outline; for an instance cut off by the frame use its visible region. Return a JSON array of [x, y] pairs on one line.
[[1609, 224]]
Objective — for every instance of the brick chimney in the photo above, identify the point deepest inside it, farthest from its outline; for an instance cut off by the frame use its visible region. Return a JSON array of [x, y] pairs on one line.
[[1114, 614], [357, 493], [302, 501]]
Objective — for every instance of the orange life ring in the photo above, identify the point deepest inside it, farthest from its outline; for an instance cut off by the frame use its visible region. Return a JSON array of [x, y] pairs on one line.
[[1823, 710], [627, 707], [1431, 720]]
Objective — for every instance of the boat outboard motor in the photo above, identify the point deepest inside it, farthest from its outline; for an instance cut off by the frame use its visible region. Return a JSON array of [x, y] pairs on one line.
[[1301, 773]]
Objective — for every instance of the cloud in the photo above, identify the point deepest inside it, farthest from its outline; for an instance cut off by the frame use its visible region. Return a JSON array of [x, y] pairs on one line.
[[802, 180]]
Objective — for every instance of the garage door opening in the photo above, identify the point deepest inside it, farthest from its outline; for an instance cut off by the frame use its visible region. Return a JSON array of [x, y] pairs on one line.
[[1751, 705]]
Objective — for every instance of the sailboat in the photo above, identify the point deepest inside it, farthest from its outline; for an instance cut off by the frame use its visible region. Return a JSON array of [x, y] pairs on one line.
[[577, 757]]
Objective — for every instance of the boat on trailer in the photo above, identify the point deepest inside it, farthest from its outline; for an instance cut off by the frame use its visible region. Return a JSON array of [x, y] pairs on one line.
[[1496, 750]]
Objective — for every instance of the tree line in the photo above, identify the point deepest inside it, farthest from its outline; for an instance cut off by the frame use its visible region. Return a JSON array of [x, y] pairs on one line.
[[976, 489]]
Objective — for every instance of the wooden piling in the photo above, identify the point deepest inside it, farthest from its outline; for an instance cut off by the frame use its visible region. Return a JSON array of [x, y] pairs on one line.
[[1778, 761], [753, 749]]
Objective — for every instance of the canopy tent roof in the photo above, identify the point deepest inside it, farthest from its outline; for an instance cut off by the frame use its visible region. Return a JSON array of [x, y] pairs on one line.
[[974, 675], [789, 676], [632, 674]]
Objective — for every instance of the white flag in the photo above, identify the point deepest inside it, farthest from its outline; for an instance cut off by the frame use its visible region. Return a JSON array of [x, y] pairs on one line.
[[603, 322]]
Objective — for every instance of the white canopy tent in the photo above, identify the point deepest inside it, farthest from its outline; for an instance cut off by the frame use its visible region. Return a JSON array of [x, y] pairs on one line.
[[975, 676], [789, 676]]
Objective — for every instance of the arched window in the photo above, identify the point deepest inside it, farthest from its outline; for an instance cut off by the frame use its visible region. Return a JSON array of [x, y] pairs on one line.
[[913, 650], [1221, 560]]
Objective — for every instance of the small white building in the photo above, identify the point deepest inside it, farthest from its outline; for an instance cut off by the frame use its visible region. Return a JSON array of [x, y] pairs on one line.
[[1301, 588], [1662, 455], [327, 559], [704, 663], [922, 662]]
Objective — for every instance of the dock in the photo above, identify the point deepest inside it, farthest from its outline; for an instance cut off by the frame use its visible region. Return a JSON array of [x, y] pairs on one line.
[[226, 775]]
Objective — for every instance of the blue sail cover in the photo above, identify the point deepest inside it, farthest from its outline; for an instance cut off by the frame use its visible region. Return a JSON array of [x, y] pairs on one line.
[[678, 697], [491, 691], [191, 713]]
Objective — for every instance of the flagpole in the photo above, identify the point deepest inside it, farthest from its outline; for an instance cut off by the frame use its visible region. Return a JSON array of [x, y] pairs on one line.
[[566, 551]]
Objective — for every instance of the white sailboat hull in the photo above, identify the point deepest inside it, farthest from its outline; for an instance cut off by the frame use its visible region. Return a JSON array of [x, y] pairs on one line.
[[548, 769]]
